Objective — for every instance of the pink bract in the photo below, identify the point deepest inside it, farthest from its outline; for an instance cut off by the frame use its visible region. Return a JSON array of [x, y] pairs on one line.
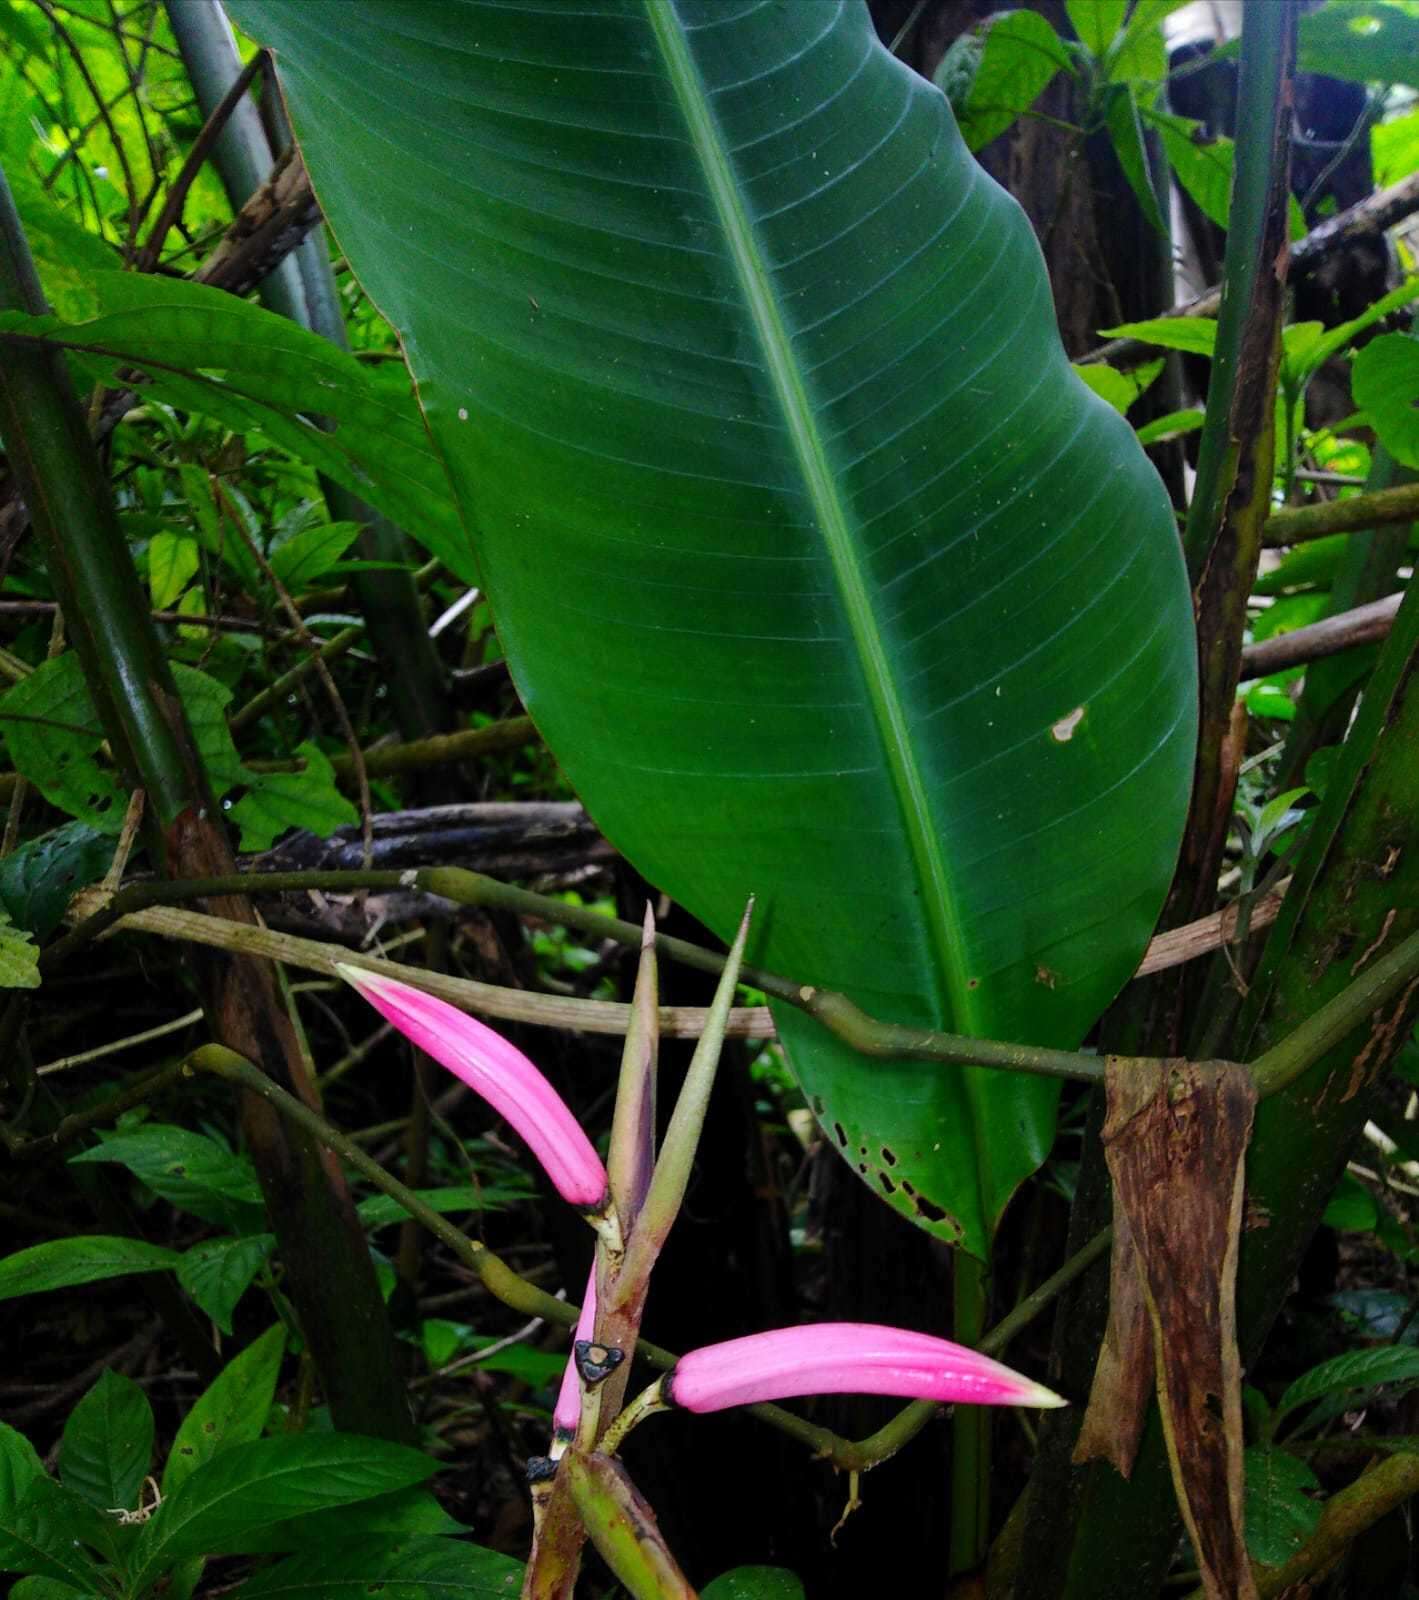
[[846, 1358], [497, 1071], [566, 1414]]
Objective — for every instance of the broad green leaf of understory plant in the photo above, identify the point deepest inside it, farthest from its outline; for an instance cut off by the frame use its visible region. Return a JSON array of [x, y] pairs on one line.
[[409, 1569], [90, 1258], [823, 577], [107, 1446], [242, 1491], [1351, 1374], [1280, 1515], [231, 1410]]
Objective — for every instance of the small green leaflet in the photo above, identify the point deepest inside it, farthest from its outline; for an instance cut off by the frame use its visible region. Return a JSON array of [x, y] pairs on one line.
[[1018, 57], [1280, 1516], [107, 1446], [19, 956], [51, 727], [217, 1272], [1120, 389]]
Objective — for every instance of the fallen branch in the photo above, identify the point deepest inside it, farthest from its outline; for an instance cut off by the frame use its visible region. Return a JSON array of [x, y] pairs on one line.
[[1328, 637]]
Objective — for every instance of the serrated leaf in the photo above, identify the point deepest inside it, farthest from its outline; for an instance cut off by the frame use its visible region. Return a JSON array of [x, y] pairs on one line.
[[401, 1569], [90, 1258], [278, 801], [189, 1170], [19, 956], [107, 1447], [311, 552], [1280, 1516], [173, 560], [830, 656], [754, 1583], [231, 1410], [218, 1272], [1385, 382], [208, 352], [1354, 1372], [53, 734], [38, 880], [246, 1488]]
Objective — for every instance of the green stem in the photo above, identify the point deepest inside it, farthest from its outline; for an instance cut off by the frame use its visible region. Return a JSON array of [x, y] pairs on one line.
[[1331, 1025], [970, 1429], [1256, 245], [1374, 509]]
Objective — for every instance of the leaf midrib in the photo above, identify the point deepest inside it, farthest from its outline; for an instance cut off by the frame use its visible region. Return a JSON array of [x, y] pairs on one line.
[[831, 514]]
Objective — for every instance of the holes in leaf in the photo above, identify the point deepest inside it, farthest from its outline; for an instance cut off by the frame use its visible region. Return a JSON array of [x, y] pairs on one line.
[[840, 1134], [889, 1156], [888, 1187]]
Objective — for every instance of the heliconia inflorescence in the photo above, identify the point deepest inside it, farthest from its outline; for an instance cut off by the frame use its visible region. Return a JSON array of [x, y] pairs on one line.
[[845, 1358], [500, 1073], [567, 1411]]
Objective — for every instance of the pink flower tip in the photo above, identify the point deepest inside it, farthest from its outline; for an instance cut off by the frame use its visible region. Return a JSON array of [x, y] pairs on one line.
[[566, 1414], [500, 1074], [846, 1358]]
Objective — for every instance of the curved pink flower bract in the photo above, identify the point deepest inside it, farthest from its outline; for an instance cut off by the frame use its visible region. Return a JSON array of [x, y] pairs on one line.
[[500, 1074], [845, 1358], [566, 1414]]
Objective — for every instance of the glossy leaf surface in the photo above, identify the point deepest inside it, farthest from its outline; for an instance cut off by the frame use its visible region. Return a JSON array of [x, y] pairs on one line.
[[823, 577]]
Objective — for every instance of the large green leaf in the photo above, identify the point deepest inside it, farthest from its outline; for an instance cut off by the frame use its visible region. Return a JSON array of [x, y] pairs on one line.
[[822, 575]]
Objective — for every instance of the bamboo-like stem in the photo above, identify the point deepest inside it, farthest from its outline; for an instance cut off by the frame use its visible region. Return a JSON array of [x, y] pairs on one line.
[[1366, 624], [1253, 275], [71, 504], [1324, 1029]]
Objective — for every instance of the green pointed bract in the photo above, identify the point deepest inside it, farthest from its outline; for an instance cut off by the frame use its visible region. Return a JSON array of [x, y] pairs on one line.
[[821, 573]]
